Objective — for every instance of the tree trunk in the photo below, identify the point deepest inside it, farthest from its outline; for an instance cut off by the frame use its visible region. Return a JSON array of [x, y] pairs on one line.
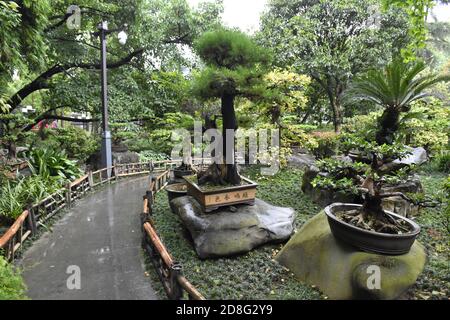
[[337, 116], [307, 114], [335, 108], [229, 122], [388, 124]]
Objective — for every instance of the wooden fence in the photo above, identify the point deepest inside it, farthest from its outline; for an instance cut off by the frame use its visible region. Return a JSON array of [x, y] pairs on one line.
[[169, 271], [13, 239]]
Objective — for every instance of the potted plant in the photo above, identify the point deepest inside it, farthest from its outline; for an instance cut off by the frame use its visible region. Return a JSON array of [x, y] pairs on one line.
[[368, 226], [185, 169], [234, 67], [174, 191]]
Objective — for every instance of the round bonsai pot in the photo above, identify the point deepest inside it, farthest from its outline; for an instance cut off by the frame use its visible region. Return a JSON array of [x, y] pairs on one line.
[[176, 190], [376, 242], [182, 173]]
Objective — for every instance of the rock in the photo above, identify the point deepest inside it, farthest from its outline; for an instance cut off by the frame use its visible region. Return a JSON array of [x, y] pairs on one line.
[[308, 176], [301, 160], [418, 156], [227, 232], [94, 161], [125, 157], [343, 272], [297, 150], [21, 149], [411, 186], [119, 148], [343, 158], [398, 204]]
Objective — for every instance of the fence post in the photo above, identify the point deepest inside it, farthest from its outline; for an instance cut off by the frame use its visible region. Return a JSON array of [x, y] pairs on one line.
[[116, 173], [90, 179], [176, 291], [68, 195], [116, 170], [149, 197], [32, 221]]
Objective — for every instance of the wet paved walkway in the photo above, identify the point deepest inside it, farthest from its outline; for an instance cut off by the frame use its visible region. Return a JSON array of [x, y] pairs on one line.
[[100, 235]]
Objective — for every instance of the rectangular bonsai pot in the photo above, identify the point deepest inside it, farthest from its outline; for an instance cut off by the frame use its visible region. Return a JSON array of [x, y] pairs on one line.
[[211, 200]]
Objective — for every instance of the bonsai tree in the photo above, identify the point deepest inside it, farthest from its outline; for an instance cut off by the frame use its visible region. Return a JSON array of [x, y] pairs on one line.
[[394, 88], [234, 67]]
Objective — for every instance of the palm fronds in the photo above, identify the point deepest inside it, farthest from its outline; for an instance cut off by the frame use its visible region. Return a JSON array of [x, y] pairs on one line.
[[397, 86]]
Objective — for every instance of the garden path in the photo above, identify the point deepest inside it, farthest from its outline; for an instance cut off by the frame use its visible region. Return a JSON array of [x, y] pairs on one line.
[[101, 236]]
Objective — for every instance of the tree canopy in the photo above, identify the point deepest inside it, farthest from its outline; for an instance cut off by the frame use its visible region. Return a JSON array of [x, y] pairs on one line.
[[331, 41], [234, 66], [59, 66]]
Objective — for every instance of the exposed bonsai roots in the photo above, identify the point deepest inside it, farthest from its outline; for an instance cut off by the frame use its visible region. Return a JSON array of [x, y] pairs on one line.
[[378, 222], [220, 174]]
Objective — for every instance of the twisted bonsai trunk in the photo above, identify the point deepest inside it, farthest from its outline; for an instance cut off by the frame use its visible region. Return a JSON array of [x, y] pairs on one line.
[[372, 216], [225, 173]]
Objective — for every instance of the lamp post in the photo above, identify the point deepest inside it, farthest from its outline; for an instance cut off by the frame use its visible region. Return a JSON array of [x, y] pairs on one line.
[[106, 152]]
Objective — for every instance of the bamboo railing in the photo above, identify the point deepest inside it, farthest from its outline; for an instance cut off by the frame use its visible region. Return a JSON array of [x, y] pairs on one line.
[[169, 271], [13, 239]]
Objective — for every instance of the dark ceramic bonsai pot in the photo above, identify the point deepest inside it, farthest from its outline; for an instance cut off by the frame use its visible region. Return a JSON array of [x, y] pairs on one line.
[[179, 173], [176, 190], [376, 242]]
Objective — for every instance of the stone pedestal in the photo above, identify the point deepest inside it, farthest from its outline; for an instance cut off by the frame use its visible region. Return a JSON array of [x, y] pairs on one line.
[[342, 272], [233, 230]]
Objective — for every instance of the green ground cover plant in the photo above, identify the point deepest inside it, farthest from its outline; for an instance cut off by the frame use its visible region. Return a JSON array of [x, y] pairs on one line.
[[256, 275]]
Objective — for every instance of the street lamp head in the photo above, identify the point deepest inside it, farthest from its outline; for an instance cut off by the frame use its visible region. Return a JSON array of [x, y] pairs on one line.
[[103, 25], [122, 37]]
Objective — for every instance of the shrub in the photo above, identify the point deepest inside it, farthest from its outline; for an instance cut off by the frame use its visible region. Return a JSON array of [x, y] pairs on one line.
[[76, 142], [12, 286], [122, 132], [362, 125], [443, 162], [327, 144], [159, 137], [15, 196], [340, 175], [161, 141], [141, 143], [296, 135], [447, 209], [425, 125], [149, 155], [51, 163]]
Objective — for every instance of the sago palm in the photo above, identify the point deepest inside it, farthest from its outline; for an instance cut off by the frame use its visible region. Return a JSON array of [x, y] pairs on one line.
[[394, 88]]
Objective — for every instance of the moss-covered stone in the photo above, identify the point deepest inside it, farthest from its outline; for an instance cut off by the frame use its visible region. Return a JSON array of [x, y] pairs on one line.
[[341, 271]]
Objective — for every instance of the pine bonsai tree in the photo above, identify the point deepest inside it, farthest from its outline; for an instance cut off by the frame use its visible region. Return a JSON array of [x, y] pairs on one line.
[[234, 66]]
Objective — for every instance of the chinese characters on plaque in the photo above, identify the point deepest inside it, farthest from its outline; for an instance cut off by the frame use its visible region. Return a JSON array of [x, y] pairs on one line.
[[229, 197]]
